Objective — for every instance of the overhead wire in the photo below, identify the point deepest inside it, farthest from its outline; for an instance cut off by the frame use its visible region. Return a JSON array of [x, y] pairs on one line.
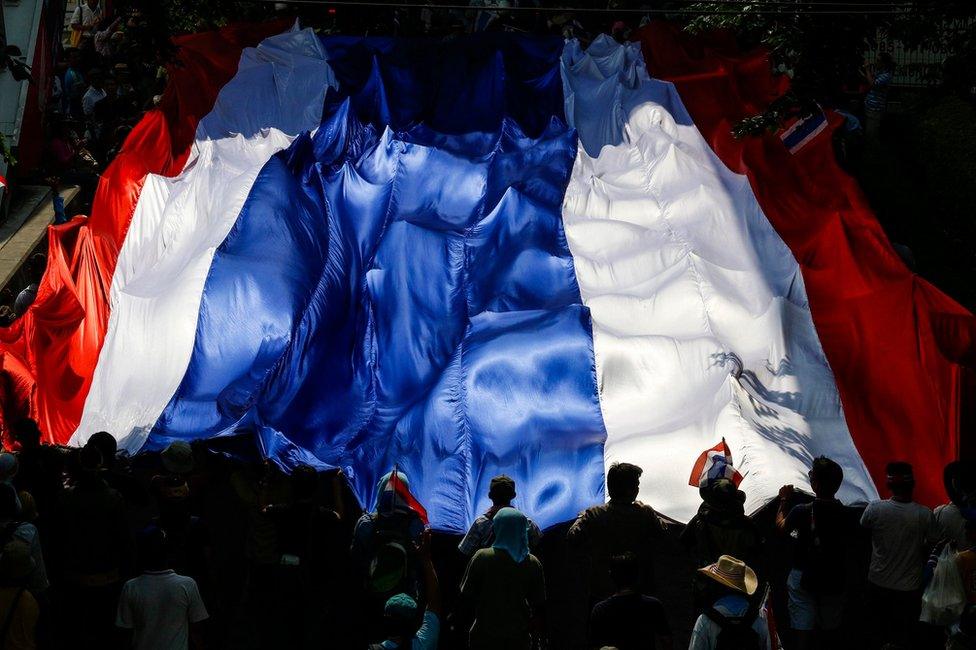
[[723, 7]]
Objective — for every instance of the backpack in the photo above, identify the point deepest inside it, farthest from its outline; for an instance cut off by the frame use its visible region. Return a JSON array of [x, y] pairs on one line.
[[737, 634], [392, 552], [822, 576]]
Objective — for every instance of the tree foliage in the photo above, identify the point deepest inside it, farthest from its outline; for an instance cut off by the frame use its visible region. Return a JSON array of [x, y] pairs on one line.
[[824, 52]]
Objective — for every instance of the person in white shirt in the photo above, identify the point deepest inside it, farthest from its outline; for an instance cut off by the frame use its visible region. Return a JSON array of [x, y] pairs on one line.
[[902, 533], [501, 491], [160, 607], [86, 17], [94, 94], [735, 618], [960, 484]]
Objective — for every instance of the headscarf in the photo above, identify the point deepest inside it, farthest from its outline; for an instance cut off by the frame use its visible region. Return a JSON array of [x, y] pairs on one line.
[[511, 533], [387, 500]]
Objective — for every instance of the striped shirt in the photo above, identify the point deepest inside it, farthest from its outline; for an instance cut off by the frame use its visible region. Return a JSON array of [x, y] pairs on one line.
[[877, 97], [482, 534]]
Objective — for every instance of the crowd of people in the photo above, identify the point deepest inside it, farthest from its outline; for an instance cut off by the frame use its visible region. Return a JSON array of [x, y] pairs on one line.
[[194, 548], [107, 76]]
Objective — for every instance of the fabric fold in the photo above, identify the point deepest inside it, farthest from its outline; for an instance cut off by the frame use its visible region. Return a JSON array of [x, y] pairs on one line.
[[701, 327]]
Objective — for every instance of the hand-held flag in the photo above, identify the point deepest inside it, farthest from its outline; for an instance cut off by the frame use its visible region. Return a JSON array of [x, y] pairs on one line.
[[401, 490], [713, 464]]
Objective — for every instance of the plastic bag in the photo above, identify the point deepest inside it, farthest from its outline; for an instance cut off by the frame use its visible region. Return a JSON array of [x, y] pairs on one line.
[[944, 598]]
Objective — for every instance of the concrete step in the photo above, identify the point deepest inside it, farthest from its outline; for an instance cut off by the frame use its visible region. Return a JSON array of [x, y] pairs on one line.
[[26, 226]]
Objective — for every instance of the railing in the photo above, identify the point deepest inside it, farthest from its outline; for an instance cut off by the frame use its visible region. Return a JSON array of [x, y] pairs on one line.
[[916, 67]]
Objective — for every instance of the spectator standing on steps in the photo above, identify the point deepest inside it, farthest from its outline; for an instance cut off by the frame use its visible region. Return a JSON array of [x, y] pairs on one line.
[[86, 17], [879, 77]]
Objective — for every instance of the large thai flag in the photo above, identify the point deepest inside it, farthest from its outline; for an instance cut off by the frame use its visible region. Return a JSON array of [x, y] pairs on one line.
[[496, 254]]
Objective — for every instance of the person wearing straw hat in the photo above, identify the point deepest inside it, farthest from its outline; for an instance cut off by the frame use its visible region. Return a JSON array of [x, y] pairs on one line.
[[734, 619]]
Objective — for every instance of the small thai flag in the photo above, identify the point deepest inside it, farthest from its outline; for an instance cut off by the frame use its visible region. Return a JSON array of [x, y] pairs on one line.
[[774, 642], [401, 490], [713, 464], [801, 130]]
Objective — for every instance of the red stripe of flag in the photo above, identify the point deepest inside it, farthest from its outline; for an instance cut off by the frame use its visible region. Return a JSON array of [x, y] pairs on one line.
[[699, 468], [403, 492]]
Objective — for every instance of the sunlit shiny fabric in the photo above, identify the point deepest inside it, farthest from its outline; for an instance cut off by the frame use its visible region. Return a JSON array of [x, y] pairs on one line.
[[487, 255], [407, 297]]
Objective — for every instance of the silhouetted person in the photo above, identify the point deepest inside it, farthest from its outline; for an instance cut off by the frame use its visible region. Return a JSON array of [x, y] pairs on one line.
[[19, 610], [39, 467], [721, 527], [733, 619], [14, 527], [501, 491], [902, 532], [384, 541], [308, 545], [188, 539], [629, 620], [966, 559], [880, 77], [960, 484], [112, 473], [821, 532], [504, 589], [624, 525], [94, 552], [405, 626]]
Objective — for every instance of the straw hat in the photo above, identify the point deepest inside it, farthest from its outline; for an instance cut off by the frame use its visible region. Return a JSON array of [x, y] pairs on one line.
[[732, 573]]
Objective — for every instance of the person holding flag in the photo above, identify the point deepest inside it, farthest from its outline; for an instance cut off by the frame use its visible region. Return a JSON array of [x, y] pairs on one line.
[[721, 526], [385, 543]]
